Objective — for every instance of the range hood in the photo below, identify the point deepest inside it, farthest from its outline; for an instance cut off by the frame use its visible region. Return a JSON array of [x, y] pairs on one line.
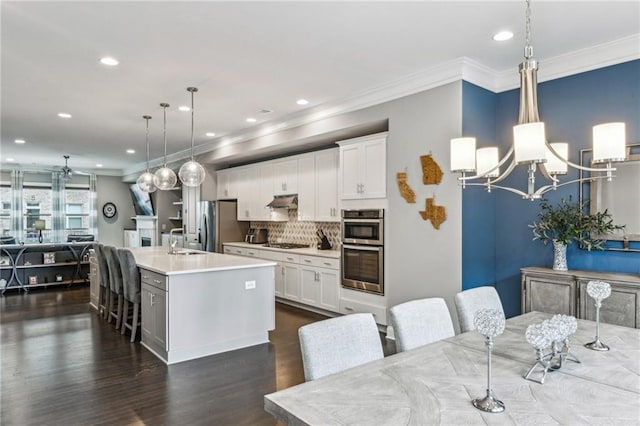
[[284, 202]]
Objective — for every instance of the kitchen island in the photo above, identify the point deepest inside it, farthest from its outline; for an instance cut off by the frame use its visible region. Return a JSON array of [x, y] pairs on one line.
[[196, 304]]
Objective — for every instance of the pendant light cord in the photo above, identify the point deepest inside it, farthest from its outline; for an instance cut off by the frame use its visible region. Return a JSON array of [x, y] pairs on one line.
[[192, 90], [164, 106], [147, 117]]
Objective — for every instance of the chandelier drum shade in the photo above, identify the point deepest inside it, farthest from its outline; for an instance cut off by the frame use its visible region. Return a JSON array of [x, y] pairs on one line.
[[530, 145], [145, 180], [192, 173], [164, 178]]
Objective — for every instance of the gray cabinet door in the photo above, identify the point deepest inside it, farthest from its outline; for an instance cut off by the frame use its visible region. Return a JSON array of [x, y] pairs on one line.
[[621, 308], [550, 294], [154, 318]]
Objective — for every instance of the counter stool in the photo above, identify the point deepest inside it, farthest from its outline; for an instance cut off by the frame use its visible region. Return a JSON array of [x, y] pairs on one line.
[[103, 274], [132, 290], [115, 283]]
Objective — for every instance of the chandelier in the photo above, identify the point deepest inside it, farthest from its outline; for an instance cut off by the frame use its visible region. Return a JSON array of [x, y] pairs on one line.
[[530, 146]]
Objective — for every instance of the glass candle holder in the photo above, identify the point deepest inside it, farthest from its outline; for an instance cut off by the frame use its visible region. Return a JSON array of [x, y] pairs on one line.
[[490, 323], [598, 290]]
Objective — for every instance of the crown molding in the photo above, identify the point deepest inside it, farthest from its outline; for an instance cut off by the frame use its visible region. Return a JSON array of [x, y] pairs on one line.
[[602, 55], [599, 56]]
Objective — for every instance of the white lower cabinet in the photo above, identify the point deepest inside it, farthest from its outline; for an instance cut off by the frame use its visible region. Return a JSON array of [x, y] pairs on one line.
[[319, 287], [307, 279], [154, 312]]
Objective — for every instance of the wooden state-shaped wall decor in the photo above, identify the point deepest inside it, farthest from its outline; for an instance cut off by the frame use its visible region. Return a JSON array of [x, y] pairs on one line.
[[431, 171], [405, 190], [436, 214]]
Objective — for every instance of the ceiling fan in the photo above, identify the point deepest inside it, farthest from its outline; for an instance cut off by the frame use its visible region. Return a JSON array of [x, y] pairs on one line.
[[67, 173]]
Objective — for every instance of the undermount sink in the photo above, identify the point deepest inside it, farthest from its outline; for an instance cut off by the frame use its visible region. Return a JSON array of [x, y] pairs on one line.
[[186, 253]]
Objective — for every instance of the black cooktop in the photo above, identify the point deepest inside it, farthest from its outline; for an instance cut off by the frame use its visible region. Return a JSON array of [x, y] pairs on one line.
[[286, 245]]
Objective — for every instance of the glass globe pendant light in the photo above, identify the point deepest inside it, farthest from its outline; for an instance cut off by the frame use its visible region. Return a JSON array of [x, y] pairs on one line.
[[191, 173], [145, 180], [165, 178]]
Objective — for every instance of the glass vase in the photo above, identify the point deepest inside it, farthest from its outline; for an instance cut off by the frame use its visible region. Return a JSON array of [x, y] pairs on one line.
[[559, 256]]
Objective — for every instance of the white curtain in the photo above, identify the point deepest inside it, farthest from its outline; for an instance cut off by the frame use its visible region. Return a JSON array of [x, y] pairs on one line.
[[17, 217]]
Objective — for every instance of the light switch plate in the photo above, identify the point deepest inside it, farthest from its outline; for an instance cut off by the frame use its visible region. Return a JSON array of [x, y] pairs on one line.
[[248, 285]]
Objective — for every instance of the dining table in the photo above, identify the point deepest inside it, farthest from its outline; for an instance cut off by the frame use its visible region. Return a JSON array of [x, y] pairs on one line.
[[435, 384]]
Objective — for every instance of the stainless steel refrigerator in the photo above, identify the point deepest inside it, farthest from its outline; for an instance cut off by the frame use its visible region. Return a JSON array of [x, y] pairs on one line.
[[219, 224]]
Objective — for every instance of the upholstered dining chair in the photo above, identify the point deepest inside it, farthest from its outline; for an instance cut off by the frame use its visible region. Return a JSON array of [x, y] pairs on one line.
[[469, 301], [115, 284], [132, 289], [336, 344], [420, 322], [103, 273]]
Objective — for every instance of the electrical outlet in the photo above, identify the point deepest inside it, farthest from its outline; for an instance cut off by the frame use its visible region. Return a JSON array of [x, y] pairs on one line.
[[248, 285], [164, 226]]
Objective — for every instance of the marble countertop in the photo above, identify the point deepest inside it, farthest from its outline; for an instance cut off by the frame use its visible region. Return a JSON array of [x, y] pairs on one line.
[[309, 251], [158, 260]]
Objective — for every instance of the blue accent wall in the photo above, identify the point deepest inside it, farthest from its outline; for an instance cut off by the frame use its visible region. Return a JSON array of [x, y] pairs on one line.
[[478, 207], [570, 107]]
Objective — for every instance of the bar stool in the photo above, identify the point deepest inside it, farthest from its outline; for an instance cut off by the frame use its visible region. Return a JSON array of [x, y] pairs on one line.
[[132, 290], [115, 283], [103, 273]]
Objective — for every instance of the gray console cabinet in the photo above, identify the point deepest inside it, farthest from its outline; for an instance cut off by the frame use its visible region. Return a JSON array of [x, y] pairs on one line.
[[565, 292]]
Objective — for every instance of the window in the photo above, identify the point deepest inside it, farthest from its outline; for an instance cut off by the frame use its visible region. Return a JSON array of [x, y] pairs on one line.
[[37, 204], [76, 210]]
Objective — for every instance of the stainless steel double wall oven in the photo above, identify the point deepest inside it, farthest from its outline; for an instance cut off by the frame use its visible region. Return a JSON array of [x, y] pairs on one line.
[[363, 250]]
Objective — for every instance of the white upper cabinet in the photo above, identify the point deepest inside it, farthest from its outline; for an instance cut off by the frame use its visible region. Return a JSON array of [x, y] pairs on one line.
[[363, 167], [326, 185], [246, 177], [306, 188], [227, 184], [285, 177], [318, 186]]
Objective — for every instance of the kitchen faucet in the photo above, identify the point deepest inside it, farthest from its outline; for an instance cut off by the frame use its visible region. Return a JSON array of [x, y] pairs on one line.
[[173, 241]]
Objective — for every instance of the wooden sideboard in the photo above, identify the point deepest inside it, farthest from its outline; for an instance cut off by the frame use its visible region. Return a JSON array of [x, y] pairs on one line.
[[565, 292]]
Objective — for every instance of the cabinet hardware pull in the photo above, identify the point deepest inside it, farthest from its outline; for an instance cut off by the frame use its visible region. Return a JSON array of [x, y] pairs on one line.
[[144, 277], [348, 308], [157, 281], [151, 301], [327, 263], [307, 260], [289, 258]]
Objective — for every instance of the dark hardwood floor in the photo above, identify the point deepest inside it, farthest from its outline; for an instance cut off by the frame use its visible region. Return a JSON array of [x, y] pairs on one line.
[[61, 364]]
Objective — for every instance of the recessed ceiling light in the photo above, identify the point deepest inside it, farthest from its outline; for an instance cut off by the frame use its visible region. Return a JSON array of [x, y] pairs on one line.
[[302, 102], [503, 36], [98, 165], [210, 134], [107, 60], [19, 141], [64, 115], [10, 159], [184, 108], [131, 151], [251, 120]]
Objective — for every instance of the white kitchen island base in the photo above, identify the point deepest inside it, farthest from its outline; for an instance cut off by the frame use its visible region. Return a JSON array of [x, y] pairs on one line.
[[198, 310]]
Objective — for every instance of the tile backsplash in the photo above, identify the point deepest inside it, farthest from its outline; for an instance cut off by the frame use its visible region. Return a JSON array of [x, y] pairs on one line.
[[298, 232]]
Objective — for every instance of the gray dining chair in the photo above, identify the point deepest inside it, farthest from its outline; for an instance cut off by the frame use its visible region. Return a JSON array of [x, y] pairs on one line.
[[336, 344], [103, 274], [469, 301], [132, 289], [420, 322], [115, 285]]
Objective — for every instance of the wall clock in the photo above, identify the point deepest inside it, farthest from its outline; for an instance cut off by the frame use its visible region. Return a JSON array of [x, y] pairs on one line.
[[109, 210]]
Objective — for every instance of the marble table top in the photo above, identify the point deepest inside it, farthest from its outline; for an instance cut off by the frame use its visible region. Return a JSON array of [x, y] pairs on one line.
[[435, 384]]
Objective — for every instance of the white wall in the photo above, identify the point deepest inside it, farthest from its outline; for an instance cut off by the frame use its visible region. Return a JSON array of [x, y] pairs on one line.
[[112, 189]]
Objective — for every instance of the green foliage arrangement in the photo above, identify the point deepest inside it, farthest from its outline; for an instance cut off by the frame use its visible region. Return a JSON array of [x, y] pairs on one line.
[[568, 221]]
